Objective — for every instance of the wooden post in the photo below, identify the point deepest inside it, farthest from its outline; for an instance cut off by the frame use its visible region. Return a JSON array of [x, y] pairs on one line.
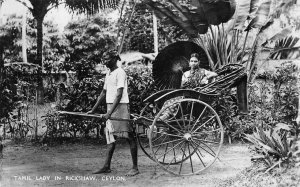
[[24, 47], [127, 28], [98, 132], [155, 34], [1, 1], [4, 129], [36, 117], [298, 87], [242, 96]]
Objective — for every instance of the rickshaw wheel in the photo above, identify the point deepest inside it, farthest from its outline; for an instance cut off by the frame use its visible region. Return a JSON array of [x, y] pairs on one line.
[[143, 137], [141, 130], [191, 137]]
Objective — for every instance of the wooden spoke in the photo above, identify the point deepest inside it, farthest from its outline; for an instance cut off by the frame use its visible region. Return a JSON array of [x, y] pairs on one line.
[[169, 134], [182, 116], [174, 152], [167, 142], [203, 124], [198, 118], [160, 146], [165, 151], [206, 132], [157, 138], [204, 149], [208, 148], [182, 158], [190, 158], [174, 158], [198, 154], [207, 141], [169, 150], [191, 114], [176, 120], [173, 127]]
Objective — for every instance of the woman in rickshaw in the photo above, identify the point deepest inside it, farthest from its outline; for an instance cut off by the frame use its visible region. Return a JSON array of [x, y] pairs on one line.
[[195, 77]]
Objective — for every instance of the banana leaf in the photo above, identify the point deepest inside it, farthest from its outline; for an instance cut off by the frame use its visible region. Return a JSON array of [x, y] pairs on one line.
[[288, 48], [194, 17], [261, 16]]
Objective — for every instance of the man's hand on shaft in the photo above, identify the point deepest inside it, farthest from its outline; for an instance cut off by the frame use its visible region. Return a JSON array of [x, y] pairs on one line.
[[105, 116], [90, 112]]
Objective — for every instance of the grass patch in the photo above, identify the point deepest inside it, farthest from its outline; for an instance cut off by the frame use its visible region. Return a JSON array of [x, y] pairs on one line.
[[253, 177]]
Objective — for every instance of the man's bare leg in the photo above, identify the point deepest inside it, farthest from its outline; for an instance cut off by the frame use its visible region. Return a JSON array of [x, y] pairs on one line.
[[133, 150], [106, 167]]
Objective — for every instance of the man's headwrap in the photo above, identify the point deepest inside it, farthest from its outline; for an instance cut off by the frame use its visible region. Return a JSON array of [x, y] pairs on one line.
[[110, 56]]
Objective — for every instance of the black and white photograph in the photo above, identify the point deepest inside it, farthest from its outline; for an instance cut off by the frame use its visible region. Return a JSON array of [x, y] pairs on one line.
[[158, 93]]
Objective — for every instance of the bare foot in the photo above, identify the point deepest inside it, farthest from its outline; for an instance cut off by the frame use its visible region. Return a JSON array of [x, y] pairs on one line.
[[132, 172], [102, 170]]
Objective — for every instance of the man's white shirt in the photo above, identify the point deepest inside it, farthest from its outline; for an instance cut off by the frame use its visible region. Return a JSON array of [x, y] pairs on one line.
[[114, 80]]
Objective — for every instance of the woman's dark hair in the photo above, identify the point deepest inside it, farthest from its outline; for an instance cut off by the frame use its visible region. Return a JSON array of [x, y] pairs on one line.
[[196, 55]]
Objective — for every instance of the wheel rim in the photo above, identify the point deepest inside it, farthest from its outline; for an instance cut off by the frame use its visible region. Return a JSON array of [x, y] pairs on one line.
[[190, 139], [142, 137]]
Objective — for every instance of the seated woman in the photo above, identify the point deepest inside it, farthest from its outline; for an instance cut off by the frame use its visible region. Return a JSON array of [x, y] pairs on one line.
[[195, 77]]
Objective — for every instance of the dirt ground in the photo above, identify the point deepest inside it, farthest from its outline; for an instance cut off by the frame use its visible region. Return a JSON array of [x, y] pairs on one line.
[[72, 165]]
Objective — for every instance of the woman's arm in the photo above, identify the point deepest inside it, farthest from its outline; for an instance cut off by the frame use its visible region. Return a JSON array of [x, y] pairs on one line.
[[184, 78], [210, 74]]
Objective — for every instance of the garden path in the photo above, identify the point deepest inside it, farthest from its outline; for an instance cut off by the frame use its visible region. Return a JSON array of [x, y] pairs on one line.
[[70, 160]]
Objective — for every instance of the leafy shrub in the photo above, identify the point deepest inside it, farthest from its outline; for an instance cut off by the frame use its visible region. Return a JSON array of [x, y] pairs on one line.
[[279, 95], [273, 104], [86, 40], [8, 95], [140, 86], [274, 145], [226, 107], [81, 97]]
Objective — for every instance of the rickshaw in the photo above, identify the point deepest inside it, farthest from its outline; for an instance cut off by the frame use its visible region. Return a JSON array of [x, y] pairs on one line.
[[178, 128]]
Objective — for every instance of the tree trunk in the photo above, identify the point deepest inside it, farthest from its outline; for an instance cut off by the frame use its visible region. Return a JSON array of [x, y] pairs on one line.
[[39, 60]]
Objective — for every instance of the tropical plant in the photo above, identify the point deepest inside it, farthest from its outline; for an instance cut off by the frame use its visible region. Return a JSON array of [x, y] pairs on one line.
[[8, 93], [39, 9], [231, 42], [140, 86], [13, 30], [141, 31], [87, 40], [274, 145], [81, 97], [284, 91]]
